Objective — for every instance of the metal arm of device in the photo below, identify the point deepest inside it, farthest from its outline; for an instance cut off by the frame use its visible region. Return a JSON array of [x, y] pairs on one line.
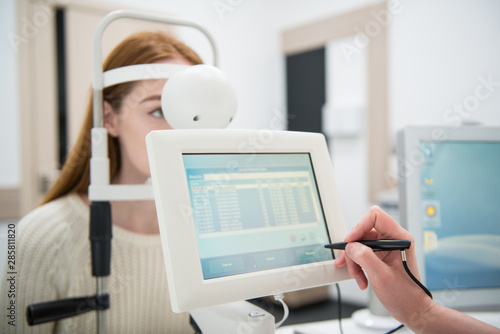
[[60, 309]]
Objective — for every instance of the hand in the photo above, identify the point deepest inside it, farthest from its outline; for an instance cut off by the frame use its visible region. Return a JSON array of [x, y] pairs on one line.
[[401, 297]]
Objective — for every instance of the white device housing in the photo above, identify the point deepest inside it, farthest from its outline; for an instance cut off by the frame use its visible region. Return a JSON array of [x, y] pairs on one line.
[[188, 288], [199, 97], [411, 158], [237, 317], [183, 95]]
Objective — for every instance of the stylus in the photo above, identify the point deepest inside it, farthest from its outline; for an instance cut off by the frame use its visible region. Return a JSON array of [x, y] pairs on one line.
[[376, 245]]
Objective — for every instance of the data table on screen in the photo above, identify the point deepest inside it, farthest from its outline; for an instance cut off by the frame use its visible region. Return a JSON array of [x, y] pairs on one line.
[[262, 213]]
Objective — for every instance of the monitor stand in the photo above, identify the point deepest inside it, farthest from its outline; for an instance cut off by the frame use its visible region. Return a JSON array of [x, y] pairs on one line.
[[237, 317], [375, 316]]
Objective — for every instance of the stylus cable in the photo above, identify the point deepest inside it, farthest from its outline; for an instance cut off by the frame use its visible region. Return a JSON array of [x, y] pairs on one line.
[[279, 298], [339, 301], [403, 258]]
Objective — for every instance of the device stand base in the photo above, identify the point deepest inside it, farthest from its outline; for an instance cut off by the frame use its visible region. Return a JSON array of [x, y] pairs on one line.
[[239, 317], [364, 318]]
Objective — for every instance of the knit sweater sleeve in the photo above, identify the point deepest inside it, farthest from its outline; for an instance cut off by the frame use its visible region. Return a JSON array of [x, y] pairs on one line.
[[53, 263], [39, 238]]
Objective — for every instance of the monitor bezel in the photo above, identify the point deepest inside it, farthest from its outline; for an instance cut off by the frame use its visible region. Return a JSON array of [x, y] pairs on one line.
[[188, 289], [409, 162]]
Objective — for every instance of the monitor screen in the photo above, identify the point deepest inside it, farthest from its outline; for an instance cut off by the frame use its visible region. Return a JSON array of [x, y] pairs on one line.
[[450, 202], [244, 213], [460, 189], [255, 212]]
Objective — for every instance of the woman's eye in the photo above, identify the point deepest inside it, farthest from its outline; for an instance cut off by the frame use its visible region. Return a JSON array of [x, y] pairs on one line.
[[158, 113]]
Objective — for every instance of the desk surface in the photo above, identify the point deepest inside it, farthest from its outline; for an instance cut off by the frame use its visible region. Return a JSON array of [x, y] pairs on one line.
[[331, 327], [349, 326]]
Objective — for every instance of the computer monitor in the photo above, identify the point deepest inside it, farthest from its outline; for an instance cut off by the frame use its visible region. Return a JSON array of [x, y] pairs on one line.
[[450, 202], [244, 213]]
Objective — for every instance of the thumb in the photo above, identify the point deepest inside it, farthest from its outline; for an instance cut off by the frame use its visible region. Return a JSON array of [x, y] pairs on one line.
[[364, 257]]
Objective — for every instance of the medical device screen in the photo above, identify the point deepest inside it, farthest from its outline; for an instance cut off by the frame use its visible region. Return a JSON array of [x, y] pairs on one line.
[[460, 191], [255, 212]]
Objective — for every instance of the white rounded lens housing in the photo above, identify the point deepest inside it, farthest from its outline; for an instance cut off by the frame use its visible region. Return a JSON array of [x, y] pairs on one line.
[[199, 97]]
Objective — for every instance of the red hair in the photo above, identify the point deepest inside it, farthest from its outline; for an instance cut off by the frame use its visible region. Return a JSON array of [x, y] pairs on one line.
[[140, 48]]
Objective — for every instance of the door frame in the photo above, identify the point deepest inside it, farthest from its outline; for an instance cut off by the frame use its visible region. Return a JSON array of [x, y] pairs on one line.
[[37, 72], [319, 34]]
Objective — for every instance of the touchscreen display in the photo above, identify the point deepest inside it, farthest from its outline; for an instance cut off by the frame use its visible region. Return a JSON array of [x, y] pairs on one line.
[[255, 212], [460, 214]]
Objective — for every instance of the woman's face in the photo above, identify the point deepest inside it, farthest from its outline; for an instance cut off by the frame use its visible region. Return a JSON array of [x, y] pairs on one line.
[[139, 114]]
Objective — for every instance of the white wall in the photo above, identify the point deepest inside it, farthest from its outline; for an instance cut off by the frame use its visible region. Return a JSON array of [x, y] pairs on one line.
[[439, 51], [10, 174]]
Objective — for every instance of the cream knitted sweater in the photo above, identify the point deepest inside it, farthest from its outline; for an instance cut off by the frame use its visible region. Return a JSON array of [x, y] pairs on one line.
[[53, 262]]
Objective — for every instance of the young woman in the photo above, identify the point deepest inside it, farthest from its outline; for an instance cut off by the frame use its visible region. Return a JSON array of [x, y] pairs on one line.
[[53, 241]]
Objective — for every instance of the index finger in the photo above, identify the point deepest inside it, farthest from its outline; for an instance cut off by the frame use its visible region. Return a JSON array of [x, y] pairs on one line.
[[377, 219]]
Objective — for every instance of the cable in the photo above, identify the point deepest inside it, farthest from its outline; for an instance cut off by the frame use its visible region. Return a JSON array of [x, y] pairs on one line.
[[285, 309], [395, 329], [403, 258], [415, 279], [339, 300]]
